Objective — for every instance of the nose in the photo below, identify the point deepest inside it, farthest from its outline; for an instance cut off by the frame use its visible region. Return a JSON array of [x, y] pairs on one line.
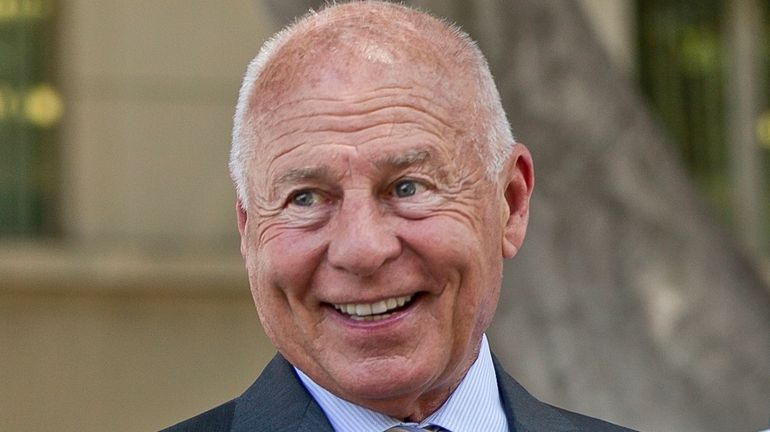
[[362, 241]]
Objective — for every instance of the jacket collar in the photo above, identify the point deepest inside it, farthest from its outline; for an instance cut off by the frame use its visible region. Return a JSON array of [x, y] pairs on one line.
[[277, 401]]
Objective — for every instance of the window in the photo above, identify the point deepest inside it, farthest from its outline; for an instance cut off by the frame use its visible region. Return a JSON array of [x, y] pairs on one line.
[[30, 108], [687, 67]]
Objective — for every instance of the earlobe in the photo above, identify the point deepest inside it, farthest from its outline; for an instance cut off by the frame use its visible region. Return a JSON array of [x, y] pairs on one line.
[[519, 181]]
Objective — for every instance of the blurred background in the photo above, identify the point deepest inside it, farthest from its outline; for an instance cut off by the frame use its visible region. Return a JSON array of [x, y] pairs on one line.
[[642, 294]]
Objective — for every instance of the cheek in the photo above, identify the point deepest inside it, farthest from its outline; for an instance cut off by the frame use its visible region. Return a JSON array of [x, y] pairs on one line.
[[461, 234], [447, 246], [286, 261], [465, 257], [280, 275]]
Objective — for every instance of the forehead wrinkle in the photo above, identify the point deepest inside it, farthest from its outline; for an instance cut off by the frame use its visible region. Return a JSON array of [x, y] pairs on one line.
[[353, 105], [342, 98], [352, 128], [357, 122], [450, 102], [293, 131], [391, 133]]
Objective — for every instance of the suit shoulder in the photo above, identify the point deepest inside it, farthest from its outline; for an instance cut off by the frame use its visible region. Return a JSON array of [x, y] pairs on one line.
[[528, 413], [216, 419], [586, 423]]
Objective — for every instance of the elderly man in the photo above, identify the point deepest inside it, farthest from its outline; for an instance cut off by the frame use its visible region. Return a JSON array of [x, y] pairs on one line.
[[379, 188]]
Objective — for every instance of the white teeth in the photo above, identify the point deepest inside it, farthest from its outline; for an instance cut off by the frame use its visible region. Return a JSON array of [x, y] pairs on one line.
[[363, 309], [379, 307], [372, 311], [370, 317]]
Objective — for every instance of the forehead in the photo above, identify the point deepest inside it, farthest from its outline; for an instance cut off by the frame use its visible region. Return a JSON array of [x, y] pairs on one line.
[[379, 85], [381, 125]]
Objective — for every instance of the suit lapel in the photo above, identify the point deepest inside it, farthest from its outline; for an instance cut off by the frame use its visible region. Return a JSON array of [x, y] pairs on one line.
[[523, 412], [278, 402]]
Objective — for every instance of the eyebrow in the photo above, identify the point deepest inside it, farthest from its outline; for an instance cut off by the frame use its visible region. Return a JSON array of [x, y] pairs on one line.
[[402, 160], [299, 174]]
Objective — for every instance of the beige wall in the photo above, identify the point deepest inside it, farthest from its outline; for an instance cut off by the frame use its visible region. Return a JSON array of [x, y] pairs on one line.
[[122, 362], [150, 87], [140, 316]]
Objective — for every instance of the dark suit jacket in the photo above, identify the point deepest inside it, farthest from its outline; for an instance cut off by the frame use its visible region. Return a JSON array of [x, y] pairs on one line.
[[278, 402]]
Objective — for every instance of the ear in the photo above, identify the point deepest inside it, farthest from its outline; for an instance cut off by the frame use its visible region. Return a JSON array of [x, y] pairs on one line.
[[519, 180], [242, 219]]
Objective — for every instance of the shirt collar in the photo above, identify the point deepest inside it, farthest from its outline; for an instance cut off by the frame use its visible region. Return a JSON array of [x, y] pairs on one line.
[[474, 405]]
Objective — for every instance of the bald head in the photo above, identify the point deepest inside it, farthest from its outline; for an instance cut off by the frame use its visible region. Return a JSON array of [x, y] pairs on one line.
[[370, 41]]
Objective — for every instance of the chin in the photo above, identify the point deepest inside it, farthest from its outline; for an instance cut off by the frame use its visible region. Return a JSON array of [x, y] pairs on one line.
[[387, 379]]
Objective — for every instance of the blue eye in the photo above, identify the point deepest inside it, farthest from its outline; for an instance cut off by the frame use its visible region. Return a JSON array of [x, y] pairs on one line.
[[405, 188], [304, 198]]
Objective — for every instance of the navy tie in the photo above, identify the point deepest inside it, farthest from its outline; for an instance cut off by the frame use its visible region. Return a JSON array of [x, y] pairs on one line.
[[406, 428]]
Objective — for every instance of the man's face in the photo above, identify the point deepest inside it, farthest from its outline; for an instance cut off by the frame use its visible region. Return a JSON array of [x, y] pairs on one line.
[[374, 239]]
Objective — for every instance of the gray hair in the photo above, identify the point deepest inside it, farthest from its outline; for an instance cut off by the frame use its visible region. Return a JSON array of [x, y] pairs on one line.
[[494, 144]]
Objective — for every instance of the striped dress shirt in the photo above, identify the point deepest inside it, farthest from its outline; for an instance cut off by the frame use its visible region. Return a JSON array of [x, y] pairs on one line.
[[474, 406]]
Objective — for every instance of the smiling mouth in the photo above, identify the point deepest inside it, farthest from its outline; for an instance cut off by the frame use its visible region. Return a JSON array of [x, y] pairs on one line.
[[373, 311]]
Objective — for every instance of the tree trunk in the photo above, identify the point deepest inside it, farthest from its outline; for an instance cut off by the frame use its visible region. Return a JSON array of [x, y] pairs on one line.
[[628, 301]]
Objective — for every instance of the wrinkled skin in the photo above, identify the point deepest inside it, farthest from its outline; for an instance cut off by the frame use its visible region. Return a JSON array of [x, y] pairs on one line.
[[366, 187]]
